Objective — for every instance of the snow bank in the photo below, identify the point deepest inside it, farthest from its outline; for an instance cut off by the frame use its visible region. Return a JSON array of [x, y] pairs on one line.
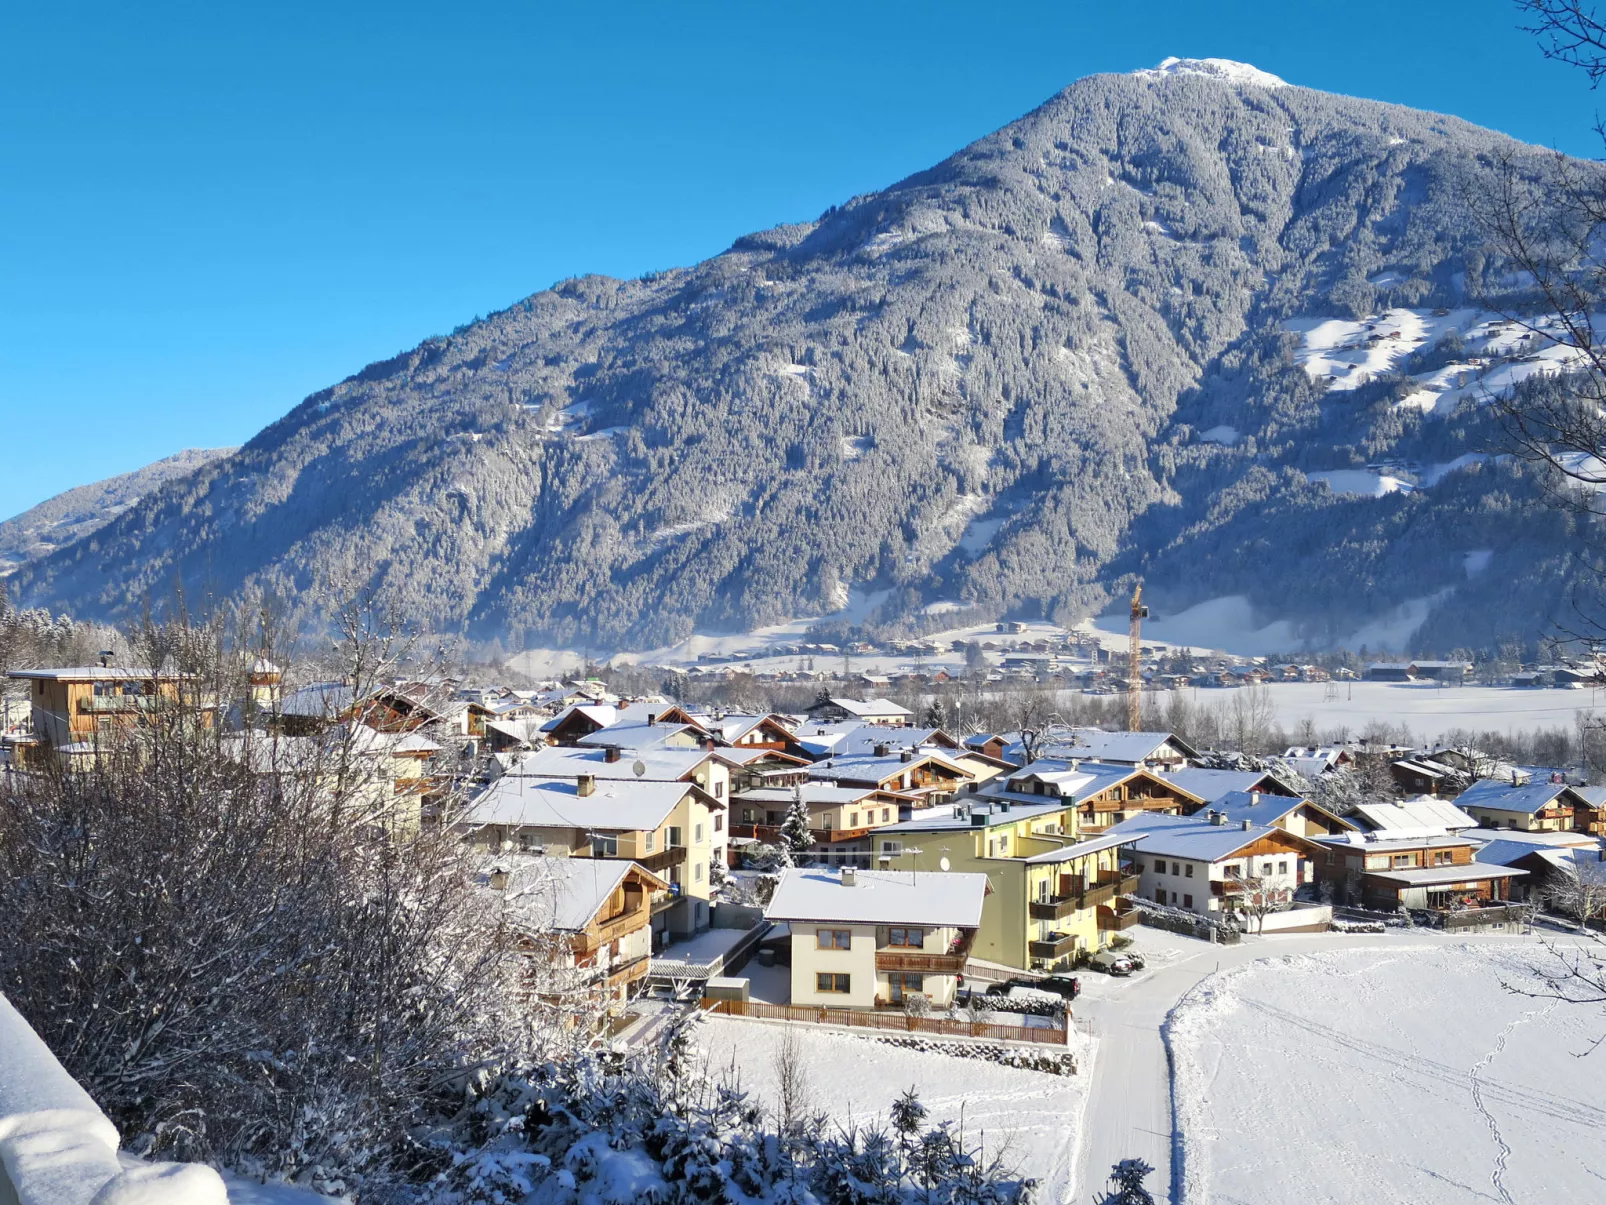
[[58, 1148], [1397, 1073]]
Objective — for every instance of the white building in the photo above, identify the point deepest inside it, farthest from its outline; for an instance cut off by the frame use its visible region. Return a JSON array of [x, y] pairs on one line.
[[1188, 862], [870, 938]]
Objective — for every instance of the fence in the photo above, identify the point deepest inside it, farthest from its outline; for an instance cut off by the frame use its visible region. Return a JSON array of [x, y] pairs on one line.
[[851, 1018]]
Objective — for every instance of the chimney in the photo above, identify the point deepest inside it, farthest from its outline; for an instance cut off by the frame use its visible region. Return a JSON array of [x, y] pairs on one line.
[[1247, 826], [709, 744], [611, 754], [622, 704], [849, 878], [1254, 799], [907, 755], [881, 750], [1217, 819], [585, 785], [652, 718]]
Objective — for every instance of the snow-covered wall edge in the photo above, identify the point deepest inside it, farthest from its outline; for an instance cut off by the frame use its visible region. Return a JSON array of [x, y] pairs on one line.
[[58, 1148]]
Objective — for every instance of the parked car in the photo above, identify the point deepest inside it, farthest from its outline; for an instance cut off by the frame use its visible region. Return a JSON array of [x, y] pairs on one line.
[[1067, 986], [1111, 963]]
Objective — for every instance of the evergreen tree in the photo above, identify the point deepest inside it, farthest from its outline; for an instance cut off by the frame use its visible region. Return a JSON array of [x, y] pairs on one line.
[[936, 715], [795, 833], [1126, 1184]]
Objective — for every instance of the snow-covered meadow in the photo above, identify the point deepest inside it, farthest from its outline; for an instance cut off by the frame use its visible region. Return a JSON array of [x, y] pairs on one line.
[[1402, 1073], [1031, 1118]]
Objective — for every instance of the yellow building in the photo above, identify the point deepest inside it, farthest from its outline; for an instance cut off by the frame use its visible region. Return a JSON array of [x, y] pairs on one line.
[[666, 827]]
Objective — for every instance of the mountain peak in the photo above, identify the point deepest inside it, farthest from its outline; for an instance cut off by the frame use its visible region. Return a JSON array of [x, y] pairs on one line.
[[1222, 69]]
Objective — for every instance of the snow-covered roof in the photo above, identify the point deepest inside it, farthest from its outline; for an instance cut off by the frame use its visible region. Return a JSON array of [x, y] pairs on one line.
[[1211, 785], [1261, 809], [865, 738], [870, 708], [978, 812], [562, 893], [1190, 837], [1582, 840], [1082, 848], [640, 734], [880, 897], [520, 802], [1414, 817], [92, 673], [1500, 796], [1430, 876], [657, 763], [822, 793], [877, 769], [1130, 748], [321, 700]]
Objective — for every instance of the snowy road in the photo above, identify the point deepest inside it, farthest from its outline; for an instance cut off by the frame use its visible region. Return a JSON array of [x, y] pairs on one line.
[[1128, 1113]]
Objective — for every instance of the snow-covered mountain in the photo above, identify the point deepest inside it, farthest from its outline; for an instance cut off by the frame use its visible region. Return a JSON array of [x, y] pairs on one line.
[[1193, 322], [85, 509]]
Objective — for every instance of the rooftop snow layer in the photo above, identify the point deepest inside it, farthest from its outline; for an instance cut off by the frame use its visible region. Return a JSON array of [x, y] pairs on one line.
[[880, 897]]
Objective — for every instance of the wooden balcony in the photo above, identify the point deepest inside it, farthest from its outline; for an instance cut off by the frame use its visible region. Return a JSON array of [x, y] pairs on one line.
[[664, 859], [920, 962], [613, 928], [1052, 948], [1057, 908], [1112, 918], [628, 972]]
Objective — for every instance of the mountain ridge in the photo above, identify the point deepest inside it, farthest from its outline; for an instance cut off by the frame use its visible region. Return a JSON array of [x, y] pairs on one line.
[[982, 385]]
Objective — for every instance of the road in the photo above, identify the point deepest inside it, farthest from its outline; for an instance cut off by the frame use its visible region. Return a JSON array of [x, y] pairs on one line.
[[1129, 1101]]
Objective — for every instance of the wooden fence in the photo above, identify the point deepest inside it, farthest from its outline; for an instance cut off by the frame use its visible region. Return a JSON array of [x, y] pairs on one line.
[[853, 1018]]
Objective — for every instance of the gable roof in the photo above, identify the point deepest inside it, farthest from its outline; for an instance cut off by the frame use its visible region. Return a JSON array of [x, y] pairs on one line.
[[1211, 785], [520, 802], [1095, 744], [1416, 817], [1503, 797], [563, 893], [658, 764], [869, 707], [1267, 810], [1194, 839], [878, 769], [936, 899]]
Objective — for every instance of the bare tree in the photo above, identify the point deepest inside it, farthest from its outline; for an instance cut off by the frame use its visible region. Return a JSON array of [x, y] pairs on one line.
[[1579, 890]]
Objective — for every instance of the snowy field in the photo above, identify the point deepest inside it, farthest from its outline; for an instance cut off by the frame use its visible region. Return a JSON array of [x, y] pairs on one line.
[[1389, 1074], [1029, 1118]]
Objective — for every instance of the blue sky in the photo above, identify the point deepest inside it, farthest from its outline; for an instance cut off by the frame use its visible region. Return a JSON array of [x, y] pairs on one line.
[[208, 211]]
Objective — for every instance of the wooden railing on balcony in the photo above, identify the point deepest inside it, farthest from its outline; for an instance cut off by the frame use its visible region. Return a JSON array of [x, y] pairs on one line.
[[917, 961], [1058, 946], [664, 859], [1076, 893], [614, 928], [1112, 917]]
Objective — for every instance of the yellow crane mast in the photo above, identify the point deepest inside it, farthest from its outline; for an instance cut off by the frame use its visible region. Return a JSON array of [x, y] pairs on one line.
[[1134, 663]]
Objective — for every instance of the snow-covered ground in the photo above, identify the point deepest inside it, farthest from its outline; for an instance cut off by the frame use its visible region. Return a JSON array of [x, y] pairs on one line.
[[1388, 1074], [1030, 1118]]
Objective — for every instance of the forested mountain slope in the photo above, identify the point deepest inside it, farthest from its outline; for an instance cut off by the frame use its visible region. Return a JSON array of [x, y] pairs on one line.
[[1085, 346], [73, 514]]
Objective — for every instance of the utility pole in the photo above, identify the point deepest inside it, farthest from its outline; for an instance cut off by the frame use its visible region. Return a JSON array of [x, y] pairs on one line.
[[1134, 663]]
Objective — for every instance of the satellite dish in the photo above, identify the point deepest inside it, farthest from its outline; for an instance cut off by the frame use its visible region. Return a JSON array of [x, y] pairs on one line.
[[639, 768], [945, 864]]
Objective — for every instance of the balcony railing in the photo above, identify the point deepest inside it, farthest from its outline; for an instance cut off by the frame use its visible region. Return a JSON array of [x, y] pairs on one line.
[[664, 859], [117, 704], [1113, 918], [920, 963], [1052, 947], [1080, 894], [615, 927], [1057, 908]]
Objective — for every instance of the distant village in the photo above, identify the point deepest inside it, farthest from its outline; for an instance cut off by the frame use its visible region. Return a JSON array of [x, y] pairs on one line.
[[853, 860]]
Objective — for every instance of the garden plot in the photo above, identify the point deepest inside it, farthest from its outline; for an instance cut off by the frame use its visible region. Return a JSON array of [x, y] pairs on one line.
[[1388, 1074], [1029, 1118]]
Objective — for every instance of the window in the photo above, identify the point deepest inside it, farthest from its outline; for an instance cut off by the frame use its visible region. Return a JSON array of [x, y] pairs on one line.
[[1265, 870], [884, 815], [1176, 869], [1159, 895], [853, 819], [719, 824], [901, 982], [1188, 870], [833, 939], [1282, 868], [697, 834], [1173, 897], [908, 938], [892, 847], [1442, 857], [524, 842], [697, 873], [1187, 901], [674, 840], [1399, 860], [646, 842], [605, 847], [1138, 866], [719, 790], [829, 982]]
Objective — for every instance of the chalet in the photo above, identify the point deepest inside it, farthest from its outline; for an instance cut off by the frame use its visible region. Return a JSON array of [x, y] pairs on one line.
[[1298, 816], [872, 938], [927, 776], [580, 720], [1536, 807], [1422, 872], [1103, 794], [1160, 751], [988, 743], [590, 918], [667, 827], [75, 710], [1213, 868], [841, 818], [1424, 776], [752, 768], [768, 731], [866, 711]]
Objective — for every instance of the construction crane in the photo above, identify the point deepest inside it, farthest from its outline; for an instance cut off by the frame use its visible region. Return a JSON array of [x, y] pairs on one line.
[[1134, 663]]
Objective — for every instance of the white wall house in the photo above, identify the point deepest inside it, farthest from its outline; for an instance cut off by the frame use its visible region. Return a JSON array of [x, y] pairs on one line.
[[870, 938], [1188, 862]]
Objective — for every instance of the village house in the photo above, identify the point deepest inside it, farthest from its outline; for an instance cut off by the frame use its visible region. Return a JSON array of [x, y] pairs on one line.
[[1210, 785], [833, 710], [1104, 794], [75, 711], [1535, 807], [1450, 673], [841, 818], [1412, 818], [1300, 817], [1160, 751], [588, 919], [1054, 895], [873, 938], [580, 720], [1204, 864], [666, 827], [925, 776], [1375, 870]]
